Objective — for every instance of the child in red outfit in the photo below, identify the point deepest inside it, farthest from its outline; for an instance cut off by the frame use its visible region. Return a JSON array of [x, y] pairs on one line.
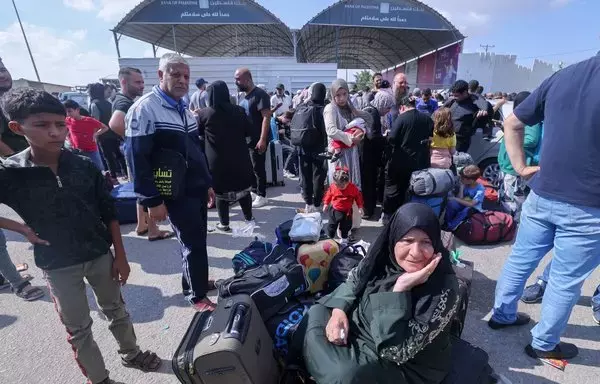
[[339, 199], [355, 127]]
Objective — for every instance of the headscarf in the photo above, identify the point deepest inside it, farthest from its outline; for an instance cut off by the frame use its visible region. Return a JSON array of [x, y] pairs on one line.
[[346, 110], [317, 92], [217, 95], [382, 101], [378, 271]]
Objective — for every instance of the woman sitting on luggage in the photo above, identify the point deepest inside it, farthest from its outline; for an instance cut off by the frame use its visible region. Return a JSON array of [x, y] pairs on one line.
[[389, 323], [225, 128]]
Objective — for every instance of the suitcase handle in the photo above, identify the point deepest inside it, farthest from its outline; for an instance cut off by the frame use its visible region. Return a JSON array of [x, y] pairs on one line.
[[238, 323]]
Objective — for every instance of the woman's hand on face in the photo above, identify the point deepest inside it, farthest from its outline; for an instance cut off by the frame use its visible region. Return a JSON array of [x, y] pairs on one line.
[[408, 281], [337, 327]]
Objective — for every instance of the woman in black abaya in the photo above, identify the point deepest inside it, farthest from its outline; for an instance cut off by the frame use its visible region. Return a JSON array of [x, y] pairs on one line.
[[389, 323], [225, 128]]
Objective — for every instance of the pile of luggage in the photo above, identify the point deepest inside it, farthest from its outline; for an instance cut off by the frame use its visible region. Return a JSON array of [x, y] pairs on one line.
[[249, 338], [433, 187]]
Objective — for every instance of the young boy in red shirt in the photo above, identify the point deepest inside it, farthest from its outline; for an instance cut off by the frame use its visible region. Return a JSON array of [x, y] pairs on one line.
[[340, 197], [84, 132]]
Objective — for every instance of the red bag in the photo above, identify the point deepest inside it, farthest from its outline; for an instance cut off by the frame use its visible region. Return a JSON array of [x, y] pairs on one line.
[[491, 193], [489, 227]]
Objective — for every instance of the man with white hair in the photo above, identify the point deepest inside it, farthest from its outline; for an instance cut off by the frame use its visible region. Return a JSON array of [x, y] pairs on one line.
[[169, 170]]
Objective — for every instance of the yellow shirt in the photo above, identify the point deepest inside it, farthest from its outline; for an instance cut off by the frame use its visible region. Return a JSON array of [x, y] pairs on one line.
[[443, 142]]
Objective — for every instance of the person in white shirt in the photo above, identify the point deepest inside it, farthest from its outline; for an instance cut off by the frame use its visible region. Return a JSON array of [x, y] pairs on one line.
[[198, 99], [280, 102]]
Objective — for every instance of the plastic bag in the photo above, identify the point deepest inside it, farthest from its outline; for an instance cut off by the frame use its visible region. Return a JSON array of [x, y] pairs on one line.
[[244, 230], [306, 227]]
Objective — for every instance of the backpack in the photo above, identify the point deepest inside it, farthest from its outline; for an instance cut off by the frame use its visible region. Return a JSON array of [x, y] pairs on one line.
[[490, 227], [303, 130], [271, 284], [491, 192], [253, 255], [341, 265], [284, 324], [464, 275], [432, 182]]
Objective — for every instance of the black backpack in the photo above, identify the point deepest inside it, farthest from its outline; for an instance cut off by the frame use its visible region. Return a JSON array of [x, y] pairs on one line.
[[304, 132], [341, 265]]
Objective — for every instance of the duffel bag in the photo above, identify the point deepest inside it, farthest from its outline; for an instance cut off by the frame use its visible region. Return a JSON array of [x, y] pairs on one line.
[[282, 232], [306, 227], [432, 182], [282, 326], [271, 284], [490, 227], [253, 255], [342, 263], [315, 259], [125, 203]]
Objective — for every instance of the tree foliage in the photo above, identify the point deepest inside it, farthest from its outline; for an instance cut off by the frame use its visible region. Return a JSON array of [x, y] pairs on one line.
[[363, 79]]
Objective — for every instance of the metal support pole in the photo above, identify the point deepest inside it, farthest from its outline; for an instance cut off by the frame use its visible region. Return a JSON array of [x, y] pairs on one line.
[[154, 50], [117, 44], [337, 45], [295, 42], [174, 39], [26, 42]]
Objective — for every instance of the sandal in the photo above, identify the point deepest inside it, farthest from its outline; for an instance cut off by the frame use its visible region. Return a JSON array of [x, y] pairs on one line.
[[144, 361], [163, 236], [22, 267], [29, 293]]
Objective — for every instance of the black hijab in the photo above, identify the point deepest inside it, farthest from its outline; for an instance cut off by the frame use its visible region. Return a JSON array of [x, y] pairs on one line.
[[217, 96], [379, 270], [319, 92]]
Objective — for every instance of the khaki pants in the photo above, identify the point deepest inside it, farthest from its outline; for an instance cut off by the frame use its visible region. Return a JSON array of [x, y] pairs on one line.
[[68, 292]]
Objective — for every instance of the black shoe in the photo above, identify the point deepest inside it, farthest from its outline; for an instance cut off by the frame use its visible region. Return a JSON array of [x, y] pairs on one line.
[[533, 294], [522, 319], [223, 228], [563, 351]]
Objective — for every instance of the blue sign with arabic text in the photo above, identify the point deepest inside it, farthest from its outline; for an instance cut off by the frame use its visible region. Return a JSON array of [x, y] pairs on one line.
[[402, 14], [202, 12]]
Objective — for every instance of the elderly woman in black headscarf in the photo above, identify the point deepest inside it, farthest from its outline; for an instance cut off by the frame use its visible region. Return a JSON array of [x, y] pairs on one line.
[[389, 323], [226, 128]]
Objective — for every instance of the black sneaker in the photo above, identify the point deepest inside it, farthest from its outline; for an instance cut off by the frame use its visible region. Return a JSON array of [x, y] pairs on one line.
[[522, 319], [533, 294], [563, 351]]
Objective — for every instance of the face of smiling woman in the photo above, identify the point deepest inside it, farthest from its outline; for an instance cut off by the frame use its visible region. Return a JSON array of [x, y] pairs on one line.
[[414, 251]]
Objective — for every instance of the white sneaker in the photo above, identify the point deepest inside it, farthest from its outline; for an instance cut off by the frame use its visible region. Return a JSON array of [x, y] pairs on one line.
[[253, 196], [288, 175], [309, 209], [259, 202]]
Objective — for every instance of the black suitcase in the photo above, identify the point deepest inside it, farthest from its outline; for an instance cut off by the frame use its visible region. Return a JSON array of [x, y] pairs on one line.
[[230, 345]]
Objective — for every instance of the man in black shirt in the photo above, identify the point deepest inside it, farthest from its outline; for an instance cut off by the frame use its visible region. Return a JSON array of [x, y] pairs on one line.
[[468, 113], [257, 104]]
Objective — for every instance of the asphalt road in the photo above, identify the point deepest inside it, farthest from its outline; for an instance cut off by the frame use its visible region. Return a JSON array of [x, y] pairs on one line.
[[34, 349]]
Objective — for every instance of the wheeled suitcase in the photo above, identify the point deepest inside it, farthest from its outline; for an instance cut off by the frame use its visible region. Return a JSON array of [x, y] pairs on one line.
[[125, 203], [230, 345], [274, 163]]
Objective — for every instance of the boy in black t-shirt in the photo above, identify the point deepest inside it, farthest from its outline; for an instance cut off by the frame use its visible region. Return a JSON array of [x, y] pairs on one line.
[[66, 207]]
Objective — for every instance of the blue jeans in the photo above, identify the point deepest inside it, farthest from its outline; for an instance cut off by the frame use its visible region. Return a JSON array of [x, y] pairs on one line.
[[95, 157], [7, 268], [595, 299], [574, 232]]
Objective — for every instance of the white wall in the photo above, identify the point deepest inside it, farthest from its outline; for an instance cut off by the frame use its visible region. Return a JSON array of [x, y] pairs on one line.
[[501, 72], [265, 70]]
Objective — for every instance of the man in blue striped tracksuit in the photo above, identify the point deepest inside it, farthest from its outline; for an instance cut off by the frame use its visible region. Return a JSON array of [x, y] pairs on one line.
[[160, 121]]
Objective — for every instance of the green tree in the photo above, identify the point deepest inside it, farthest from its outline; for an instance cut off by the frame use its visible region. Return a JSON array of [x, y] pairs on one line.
[[363, 79]]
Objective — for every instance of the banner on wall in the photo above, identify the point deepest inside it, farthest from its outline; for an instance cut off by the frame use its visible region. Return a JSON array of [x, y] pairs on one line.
[[446, 65], [426, 70]]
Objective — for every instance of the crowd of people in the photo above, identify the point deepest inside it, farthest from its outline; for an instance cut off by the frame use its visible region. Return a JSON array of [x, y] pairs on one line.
[[351, 152]]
